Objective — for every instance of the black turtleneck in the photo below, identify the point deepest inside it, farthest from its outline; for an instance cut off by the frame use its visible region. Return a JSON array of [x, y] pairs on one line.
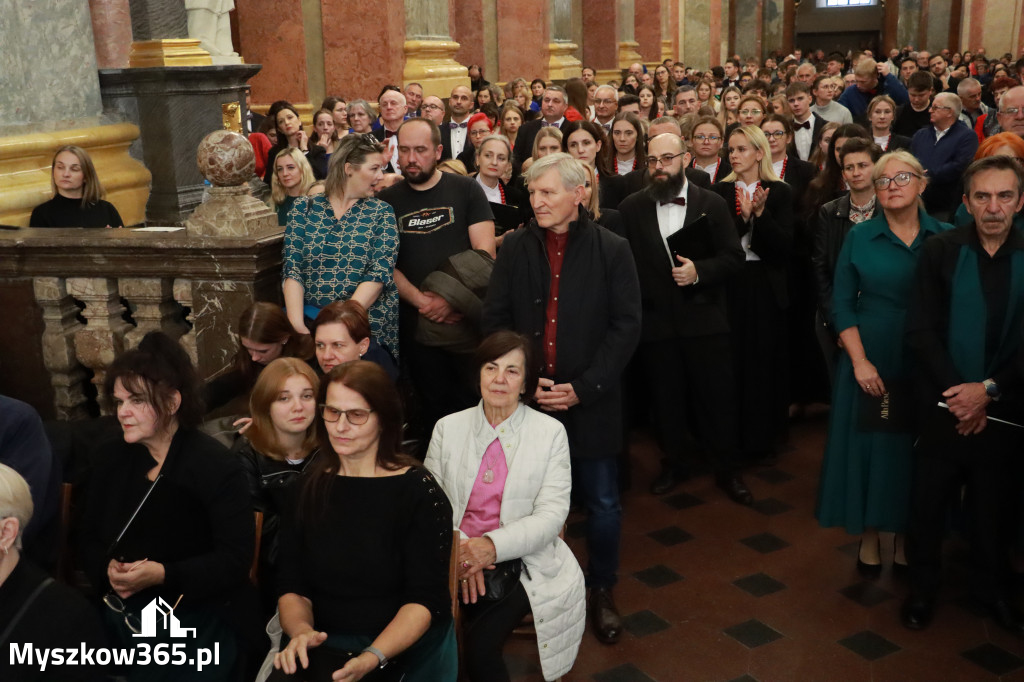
[[63, 212]]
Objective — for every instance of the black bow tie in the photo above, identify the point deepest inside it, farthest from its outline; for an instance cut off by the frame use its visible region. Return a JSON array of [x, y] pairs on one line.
[[389, 134], [806, 125], [679, 201]]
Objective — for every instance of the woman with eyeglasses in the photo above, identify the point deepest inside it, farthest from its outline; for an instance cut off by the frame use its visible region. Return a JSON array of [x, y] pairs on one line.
[[865, 475], [706, 142], [365, 550], [342, 244], [628, 140], [479, 127], [759, 296], [751, 110], [881, 114], [168, 515], [36, 609], [277, 447]]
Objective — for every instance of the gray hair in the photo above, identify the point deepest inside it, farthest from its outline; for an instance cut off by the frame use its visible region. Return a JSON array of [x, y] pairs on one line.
[[615, 92], [364, 105], [15, 500], [569, 169], [967, 85], [560, 89], [951, 100], [495, 137]]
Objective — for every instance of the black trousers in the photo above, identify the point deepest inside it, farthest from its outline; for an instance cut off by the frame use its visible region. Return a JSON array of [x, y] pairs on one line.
[[486, 626], [691, 381], [987, 463], [443, 384]]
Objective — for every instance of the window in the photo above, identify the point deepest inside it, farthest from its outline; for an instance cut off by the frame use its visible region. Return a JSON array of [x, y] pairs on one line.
[[846, 3]]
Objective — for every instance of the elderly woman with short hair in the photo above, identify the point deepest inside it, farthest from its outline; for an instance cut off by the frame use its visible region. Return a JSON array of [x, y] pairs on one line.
[[505, 468]]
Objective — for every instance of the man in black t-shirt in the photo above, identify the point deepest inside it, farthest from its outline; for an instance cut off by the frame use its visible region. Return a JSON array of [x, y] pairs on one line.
[[439, 215], [916, 113]]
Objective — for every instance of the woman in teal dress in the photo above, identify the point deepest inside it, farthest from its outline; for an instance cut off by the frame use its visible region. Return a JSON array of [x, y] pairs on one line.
[[342, 244], [865, 476]]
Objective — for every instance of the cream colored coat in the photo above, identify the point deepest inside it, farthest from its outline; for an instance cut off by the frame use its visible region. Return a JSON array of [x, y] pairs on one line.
[[534, 506]]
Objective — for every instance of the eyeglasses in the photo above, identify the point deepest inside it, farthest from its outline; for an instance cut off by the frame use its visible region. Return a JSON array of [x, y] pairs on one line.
[[604, 101], [432, 107], [654, 161], [940, 106], [901, 179], [355, 417], [777, 134], [1010, 111], [706, 138], [479, 133], [115, 604], [750, 112]]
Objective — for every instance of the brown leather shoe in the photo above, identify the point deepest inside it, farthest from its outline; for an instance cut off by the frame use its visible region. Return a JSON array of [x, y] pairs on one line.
[[604, 617]]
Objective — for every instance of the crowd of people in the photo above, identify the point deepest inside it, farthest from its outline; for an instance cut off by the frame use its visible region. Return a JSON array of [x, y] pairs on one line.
[[483, 296]]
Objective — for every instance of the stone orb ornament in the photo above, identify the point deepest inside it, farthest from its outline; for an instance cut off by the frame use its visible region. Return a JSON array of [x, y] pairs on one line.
[[226, 158]]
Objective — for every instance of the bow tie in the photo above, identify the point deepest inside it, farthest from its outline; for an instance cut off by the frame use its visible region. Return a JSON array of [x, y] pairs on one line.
[[679, 201], [545, 124], [806, 125], [607, 126], [389, 133], [453, 125]]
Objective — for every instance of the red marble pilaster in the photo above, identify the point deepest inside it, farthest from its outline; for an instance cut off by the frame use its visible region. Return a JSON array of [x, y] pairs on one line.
[[647, 28], [673, 28], [270, 33], [467, 29], [363, 46], [111, 32], [976, 38], [524, 30], [601, 28], [715, 36]]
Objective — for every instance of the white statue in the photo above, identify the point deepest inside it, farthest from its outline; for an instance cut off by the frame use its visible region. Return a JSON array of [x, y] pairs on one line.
[[208, 21]]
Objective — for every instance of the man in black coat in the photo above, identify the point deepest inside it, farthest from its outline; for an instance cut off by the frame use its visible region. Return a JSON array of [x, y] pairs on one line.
[[964, 329], [571, 286], [685, 347], [553, 106]]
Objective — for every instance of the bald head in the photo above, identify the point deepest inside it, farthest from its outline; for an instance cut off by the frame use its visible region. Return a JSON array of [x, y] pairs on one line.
[[1012, 123], [461, 102]]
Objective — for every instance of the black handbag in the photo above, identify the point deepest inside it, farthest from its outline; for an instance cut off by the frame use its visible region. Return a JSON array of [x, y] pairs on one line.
[[501, 580]]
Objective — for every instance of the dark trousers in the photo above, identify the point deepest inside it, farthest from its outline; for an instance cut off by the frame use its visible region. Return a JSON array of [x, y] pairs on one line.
[[943, 461], [597, 482], [691, 382], [486, 627], [829, 349], [443, 384]]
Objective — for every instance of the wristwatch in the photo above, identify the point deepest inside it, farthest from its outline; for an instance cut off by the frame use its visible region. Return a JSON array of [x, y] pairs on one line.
[[381, 658], [991, 389]]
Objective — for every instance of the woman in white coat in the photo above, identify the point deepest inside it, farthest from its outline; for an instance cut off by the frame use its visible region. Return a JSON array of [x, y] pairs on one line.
[[505, 468]]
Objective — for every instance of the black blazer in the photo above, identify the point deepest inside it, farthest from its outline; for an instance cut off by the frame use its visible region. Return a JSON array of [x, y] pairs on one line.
[[524, 141], [798, 176], [898, 142], [379, 133], [640, 178], [446, 139], [829, 230], [467, 157], [671, 311], [771, 235]]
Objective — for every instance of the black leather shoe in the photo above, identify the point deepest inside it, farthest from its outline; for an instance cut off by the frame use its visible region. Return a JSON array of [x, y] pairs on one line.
[[1006, 617], [916, 613], [736, 489], [665, 481], [604, 617]]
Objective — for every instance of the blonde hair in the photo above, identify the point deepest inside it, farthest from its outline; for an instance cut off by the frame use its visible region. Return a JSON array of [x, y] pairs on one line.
[[548, 131], [452, 166], [268, 386], [15, 500], [354, 150], [866, 67], [756, 137], [277, 190], [594, 205], [903, 156], [92, 188], [881, 99]]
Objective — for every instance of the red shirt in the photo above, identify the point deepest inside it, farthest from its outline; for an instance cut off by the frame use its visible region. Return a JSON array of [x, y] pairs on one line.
[[555, 245]]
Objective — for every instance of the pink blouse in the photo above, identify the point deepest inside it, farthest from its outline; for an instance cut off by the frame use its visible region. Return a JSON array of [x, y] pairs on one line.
[[483, 510]]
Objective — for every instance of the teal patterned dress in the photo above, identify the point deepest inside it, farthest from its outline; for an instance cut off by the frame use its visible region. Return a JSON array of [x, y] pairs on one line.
[[330, 257]]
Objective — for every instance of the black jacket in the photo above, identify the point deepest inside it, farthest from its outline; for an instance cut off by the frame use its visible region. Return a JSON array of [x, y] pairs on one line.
[[524, 141], [671, 311], [598, 321], [829, 229]]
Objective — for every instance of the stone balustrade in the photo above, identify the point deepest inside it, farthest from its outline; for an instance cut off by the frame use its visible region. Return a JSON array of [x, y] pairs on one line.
[[76, 298]]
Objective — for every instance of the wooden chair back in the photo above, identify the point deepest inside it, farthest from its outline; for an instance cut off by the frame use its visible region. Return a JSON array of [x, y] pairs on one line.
[[254, 570]]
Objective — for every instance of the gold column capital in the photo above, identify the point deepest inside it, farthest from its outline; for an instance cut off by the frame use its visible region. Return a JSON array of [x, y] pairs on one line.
[[628, 53], [432, 64], [168, 52], [562, 62]]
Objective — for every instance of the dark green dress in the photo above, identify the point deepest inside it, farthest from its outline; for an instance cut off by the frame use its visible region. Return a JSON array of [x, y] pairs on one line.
[[865, 476]]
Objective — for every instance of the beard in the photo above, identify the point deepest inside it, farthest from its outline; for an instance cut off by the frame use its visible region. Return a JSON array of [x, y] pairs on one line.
[[420, 175], [665, 187]]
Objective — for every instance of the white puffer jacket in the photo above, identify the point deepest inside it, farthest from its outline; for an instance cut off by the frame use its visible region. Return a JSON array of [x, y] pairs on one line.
[[534, 506]]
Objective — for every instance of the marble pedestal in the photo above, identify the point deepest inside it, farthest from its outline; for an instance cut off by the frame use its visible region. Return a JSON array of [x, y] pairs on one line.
[[175, 108]]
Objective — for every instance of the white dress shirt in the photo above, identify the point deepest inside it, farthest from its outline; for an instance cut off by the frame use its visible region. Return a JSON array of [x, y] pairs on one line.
[[745, 239], [670, 220], [458, 136], [493, 193], [803, 138]]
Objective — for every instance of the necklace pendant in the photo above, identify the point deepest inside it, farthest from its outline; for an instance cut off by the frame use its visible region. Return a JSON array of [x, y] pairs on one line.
[[488, 476]]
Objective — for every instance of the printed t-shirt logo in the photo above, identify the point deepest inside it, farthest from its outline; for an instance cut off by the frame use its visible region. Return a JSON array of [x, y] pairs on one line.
[[426, 220]]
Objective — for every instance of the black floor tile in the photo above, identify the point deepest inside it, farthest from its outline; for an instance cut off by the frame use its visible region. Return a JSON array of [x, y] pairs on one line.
[[745, 678], [769, 506], [643, 623], [669, 536], [753, 633], [994, 659], [869, 646], [866, 594], [765, 543], [623, 673], [759, 585], [682, 501], [576, 529], [772, 475], [657, 576]]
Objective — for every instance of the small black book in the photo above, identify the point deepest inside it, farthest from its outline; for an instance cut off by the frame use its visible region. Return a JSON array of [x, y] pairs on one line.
[[890, 413], [506, 218], [692, 241]]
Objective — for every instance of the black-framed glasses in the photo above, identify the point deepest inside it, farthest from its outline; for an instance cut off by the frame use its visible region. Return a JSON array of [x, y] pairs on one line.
[[115, 604], [355, 417], [653, 161], [902, 179], [432, 107], [706, 138]]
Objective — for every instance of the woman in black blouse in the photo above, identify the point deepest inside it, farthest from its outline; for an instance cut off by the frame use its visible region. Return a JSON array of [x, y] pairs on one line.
[[290, 133], [364, 555], [77, 194]]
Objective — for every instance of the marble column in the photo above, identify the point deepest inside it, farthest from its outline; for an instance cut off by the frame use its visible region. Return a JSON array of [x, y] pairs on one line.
[[279, 46], [522, 48], [748, 21], [112, 32], [647, 29], [429, 48], [699, 26], [909, 23], [773, 27], [562, 61], [468, 31], [601, 45], [669, 39], [627, 34], [358, 68]]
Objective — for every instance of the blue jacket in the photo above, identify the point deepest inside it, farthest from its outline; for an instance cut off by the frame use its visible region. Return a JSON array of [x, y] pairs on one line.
[[857, 101], [945, 162]]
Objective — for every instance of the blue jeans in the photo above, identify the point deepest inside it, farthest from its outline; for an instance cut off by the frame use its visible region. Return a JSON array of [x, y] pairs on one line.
[[597, 482]]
